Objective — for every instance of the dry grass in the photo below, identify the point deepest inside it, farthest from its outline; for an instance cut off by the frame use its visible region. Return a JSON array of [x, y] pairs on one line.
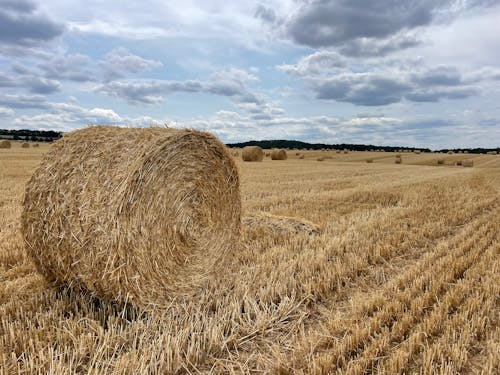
[[404, 277]]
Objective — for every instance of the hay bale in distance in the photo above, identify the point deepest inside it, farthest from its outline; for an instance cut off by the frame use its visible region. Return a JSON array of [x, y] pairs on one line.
[[278, 155], [5, 144], [137, 215], [369, 160], [467, 163], [398, 161], [450, 152], [297, 154], [36, 145], [25, 145], [302, 156], [252, 153], [458, 162], [321, 158], [440, 161]]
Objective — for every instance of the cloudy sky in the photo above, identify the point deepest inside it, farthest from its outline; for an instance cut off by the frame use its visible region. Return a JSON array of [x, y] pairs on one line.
[[423, 73]]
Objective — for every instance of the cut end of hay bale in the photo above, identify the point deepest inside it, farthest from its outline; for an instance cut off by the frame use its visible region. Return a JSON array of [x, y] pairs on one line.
[[137, 215], [278, 224], [278, 155], [252, 153]]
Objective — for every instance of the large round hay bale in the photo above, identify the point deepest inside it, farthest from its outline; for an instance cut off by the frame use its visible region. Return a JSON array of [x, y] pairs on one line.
[[278, 155], [137, 215], [468, 163], [5, 144], [25, 145], [252, 153]]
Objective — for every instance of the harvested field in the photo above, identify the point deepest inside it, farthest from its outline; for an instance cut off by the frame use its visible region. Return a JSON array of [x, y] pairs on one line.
[[346, 267]]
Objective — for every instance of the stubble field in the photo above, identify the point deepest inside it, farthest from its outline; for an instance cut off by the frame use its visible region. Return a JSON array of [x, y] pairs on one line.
[[403, 277]]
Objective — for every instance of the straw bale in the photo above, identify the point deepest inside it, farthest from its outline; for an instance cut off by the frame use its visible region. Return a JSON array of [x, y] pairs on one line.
[[440, 161], [468, 163], [137, 215], [321, 158], [398, 161], [25, 145], [5, 144], [36, 145], [369, 160], [252, 153], [302, 156], [278, 155]]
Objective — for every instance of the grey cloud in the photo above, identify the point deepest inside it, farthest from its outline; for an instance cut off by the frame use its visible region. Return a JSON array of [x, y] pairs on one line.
[[30, 81], [370, 28], [21, 24], [265, 14], [23, 101], [362, 89], [333, 22], [439, 76], [369, 47], [72, 68], [436, 94], [120, 61]]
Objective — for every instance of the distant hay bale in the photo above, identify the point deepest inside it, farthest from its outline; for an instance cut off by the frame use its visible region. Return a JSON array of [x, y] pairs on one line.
[[35, 145], [5, 144], [302, 156], [450, 152], [458, 162], [297, 153], [337, 152], [252, 153], [398, 161], [467, 163], [397, 155], [25, 145], [321, 158], [278, 155], [137, 215], [369, 160], [417, 151], [440, 161]]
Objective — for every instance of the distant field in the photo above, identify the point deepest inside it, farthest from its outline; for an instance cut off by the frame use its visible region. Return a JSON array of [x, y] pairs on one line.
[[404, 277]]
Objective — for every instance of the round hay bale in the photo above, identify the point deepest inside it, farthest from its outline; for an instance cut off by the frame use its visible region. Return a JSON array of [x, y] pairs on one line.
[[320, 158], [302, 156], [346, 151], [398, 161], [458, 162], [369, 160], [278, 155], [337, 152], [252, 153], [297, 154], [36, 145], [5, 144], [25, 145], [440, 161], [450, 152], [468, 163], [137, 215]]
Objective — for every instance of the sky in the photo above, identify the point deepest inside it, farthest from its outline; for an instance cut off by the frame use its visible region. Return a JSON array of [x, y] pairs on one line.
[[419, 73]]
